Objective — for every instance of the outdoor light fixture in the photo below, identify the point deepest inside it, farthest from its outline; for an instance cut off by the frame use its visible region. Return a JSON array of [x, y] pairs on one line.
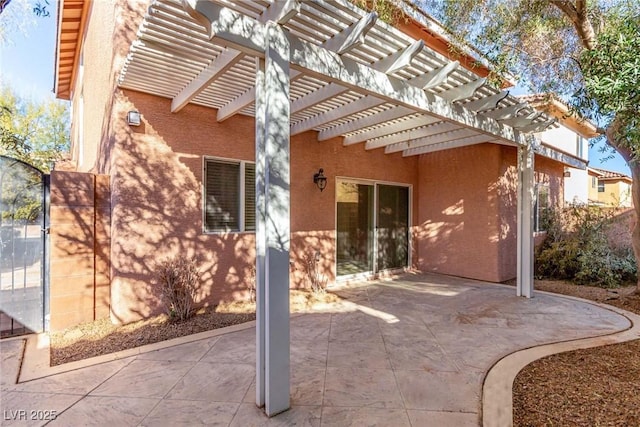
[[320, 180], [133, 118]]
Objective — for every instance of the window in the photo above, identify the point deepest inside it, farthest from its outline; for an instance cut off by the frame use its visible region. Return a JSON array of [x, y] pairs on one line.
[[579, 146], [594, 182], [229, 190], [541, 210], [600, 186]]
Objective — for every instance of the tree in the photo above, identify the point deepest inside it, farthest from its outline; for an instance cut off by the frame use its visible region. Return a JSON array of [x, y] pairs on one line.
[[17, 16], [34, 132], [40, 8], [586, 51]]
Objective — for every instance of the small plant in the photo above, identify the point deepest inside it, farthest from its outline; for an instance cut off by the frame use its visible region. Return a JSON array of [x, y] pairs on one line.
[[317, 280], [180, 280]]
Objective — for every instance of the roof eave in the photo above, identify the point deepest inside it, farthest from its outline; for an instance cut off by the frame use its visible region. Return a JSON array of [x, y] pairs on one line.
[[563, 157], [73, 15], [550, 104]]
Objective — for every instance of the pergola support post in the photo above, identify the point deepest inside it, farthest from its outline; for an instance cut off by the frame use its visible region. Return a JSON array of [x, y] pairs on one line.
[[524, 220], [273, 224]]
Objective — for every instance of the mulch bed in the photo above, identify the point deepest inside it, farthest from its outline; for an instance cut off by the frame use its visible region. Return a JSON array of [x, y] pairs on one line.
[[103, 337], [591, 387]]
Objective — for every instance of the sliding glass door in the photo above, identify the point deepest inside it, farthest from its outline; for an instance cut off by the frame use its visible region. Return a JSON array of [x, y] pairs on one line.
[[392, 230], [355, 228], [372, 227]]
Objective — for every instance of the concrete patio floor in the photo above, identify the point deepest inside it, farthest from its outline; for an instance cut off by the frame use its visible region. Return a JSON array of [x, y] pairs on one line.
[[412, 351]]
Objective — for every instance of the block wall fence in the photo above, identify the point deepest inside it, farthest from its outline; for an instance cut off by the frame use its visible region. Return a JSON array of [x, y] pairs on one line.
[[80, 248]]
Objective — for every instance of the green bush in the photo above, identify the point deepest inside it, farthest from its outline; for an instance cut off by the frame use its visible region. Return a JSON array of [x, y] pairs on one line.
[[576, 248]]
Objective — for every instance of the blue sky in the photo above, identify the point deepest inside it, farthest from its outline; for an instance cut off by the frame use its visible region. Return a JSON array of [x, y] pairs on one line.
[[26, 62], [27, 66]]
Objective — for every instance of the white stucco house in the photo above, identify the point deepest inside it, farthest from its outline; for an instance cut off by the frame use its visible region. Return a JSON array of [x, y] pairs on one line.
[[571, 136]]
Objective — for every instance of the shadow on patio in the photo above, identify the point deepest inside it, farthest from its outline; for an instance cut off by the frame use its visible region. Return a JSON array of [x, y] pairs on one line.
[[409, 351]]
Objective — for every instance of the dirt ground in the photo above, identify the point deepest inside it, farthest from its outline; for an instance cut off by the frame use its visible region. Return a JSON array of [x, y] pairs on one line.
[[591, 387], [102, 337]]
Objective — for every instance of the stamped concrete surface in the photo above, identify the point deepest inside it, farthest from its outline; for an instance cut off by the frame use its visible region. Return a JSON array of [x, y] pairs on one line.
[[411, 351]]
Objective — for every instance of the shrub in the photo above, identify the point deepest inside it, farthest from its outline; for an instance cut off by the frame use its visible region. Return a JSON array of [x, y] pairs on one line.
[[317, 280], [180, 280], [577, 248]]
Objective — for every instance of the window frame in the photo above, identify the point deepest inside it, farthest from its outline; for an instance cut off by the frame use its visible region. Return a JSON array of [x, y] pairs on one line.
[[241, 214], [538, 209], [601, 186]]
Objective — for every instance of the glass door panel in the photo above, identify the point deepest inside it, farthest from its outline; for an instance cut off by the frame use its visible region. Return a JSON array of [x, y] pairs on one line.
[[354, 228], [392, 227]]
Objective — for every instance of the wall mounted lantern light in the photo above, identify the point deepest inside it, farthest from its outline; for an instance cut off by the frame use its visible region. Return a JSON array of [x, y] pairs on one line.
[[320, 180], [133, 118]]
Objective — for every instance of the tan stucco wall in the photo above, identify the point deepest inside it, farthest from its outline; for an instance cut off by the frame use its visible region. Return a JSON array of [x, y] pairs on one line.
[[616, 193], [467, 210], [457, 215], [157, 199], [463, 199], [109, 32], [547, 172], [593, 188]]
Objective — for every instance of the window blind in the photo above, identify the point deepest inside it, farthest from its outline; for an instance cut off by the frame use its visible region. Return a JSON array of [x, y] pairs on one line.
[[250, 196], [222, 192]]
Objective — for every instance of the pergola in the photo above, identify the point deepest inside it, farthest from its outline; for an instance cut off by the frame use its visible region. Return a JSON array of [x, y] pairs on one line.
[[331, 67]]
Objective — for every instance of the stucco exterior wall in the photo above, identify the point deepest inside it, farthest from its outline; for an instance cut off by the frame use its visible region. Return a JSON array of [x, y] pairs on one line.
[[616, 194], [548, 173], [463, 205], [467, 210], [593, 188], [109, 33], [458, 212], [156, 175], [566, 140], [576, 186]]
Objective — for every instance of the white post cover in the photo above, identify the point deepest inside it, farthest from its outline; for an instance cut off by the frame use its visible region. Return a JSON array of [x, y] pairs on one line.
[[525, 221], [273, 224], [261, 239]]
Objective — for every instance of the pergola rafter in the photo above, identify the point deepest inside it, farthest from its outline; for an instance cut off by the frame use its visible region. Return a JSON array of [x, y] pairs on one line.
[[330, 67], [413, 134], [246, 34]]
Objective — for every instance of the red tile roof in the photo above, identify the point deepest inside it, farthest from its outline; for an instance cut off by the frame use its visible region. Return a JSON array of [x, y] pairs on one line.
[[605, 174]]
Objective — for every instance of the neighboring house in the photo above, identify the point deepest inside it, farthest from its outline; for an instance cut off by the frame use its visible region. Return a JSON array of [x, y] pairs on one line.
[[163, 119], [608, 188], [571, 136]]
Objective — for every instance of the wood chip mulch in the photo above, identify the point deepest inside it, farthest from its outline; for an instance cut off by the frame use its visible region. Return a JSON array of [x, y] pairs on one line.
[[592, 387]]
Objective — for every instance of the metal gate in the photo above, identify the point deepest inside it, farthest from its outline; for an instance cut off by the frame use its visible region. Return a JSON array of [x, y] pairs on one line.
[[24, 222]]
